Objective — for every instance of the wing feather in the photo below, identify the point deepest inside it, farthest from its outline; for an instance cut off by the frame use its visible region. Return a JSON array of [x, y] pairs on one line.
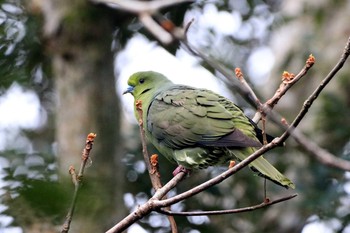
[[183, 117]]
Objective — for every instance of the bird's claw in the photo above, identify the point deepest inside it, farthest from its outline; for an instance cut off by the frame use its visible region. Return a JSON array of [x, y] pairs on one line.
[[180, 169]]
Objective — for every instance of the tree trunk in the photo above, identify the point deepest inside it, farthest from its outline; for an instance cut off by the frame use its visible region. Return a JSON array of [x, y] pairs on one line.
[[79, 37]]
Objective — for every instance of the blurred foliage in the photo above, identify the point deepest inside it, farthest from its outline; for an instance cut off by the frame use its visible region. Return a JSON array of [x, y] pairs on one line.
[[20, 47], [331, 118], [30, 187], [250, 36], [29, 179]]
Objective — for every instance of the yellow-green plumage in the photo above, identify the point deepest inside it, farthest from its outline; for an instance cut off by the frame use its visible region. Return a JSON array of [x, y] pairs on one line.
[[197, 128]]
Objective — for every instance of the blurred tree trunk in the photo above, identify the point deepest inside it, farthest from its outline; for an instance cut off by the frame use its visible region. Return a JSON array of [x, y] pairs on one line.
[[79, 37]]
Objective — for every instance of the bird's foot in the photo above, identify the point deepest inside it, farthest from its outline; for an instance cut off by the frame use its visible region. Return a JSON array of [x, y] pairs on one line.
[[181, 169]]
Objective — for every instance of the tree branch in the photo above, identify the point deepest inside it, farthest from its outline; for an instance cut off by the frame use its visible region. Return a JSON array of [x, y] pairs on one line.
[[288, 80], [309, 101], [78, 179], [232, 211], [246, 86], [162, 35], [147, 207], [322, 155], [140, 7], [151, 162], [156, 183], [145, 10]]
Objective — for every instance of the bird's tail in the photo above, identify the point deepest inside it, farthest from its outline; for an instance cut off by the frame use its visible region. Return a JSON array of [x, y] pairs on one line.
[[264, 168]]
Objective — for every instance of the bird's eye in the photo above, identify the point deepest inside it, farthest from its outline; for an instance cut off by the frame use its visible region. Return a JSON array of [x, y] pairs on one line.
[[141, 81]]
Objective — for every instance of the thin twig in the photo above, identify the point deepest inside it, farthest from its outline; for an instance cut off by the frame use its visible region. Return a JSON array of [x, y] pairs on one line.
[[152, 162], [244, 83], [187, 27], [289, 80], [156, 183], [322, 155], [78, 179], [73, 175], [230, 80], [231, 211], [240, 77]]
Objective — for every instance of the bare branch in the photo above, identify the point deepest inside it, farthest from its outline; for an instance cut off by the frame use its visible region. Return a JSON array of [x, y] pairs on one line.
[[187, 26], [156, 183], [322, 155], [77, 179], [142, 211], [232, 211], [148, 207], [139, 7], [289, 80], [73, 175], [161, 34], [145, 10], [325, 81], [230, 80], [242, 80], [152, 162]]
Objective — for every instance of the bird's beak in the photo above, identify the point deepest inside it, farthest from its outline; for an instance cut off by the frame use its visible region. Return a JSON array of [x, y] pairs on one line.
[[130, 89]]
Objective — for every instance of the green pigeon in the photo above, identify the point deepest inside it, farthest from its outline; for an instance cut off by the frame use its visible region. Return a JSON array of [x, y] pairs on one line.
[[197, 128]]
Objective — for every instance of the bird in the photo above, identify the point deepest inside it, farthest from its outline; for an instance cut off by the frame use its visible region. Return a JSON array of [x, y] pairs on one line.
[[197, 128]]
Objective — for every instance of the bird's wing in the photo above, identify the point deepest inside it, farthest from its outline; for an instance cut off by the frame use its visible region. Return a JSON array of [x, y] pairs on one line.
[[184, 117]]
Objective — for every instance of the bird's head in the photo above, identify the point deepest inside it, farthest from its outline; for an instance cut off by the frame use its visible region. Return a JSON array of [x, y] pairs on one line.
[[145, 82]]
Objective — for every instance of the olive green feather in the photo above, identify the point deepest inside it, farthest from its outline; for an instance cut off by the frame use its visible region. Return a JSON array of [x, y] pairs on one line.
[[197, 128]]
